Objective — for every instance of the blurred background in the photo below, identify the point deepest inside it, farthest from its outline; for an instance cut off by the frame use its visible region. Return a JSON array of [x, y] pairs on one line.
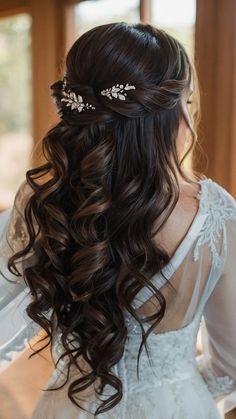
[[34, 39]]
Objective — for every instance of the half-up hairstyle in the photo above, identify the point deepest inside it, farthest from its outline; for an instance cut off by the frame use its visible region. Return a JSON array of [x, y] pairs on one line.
[[110, 176]]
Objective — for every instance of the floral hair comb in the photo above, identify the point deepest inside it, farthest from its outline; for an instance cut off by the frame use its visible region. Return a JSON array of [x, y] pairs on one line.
[[72, 100], [117, 91], [75, 101]]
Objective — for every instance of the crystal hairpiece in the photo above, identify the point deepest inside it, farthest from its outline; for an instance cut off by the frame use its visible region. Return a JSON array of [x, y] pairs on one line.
[[76, 101], [117, 91], [73, 100]]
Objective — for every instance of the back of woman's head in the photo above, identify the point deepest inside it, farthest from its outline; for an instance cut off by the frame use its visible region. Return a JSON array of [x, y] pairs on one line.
[[119, 53], [111, 174]]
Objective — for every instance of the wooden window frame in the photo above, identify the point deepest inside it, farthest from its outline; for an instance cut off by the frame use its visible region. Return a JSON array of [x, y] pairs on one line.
[[215, 57]]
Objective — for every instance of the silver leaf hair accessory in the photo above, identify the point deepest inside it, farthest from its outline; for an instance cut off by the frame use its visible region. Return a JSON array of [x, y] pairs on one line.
[[72, 100], [117, 91]]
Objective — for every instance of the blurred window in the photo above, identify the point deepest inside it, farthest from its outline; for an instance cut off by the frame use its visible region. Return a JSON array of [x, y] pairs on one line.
[[15, 104], [92, 13], [177, 17]]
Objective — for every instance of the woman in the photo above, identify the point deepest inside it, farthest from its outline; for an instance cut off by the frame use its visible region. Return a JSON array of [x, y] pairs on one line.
[[123, 251]]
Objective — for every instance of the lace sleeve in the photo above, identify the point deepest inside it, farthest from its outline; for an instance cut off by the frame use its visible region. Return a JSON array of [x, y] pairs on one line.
[[15, 325], [15, 235], [217, 363]]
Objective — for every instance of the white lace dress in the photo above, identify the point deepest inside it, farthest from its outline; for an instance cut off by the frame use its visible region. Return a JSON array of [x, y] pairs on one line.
[[177, 383]]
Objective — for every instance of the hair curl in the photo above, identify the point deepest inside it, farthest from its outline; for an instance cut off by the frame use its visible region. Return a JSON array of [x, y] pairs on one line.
[[110, 177]]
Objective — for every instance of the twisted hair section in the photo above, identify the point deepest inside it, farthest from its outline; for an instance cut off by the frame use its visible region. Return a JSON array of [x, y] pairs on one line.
[[146, 99], [108, 186]]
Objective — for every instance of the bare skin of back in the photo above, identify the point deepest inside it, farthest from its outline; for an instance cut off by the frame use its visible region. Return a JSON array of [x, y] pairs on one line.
[[170, 237]]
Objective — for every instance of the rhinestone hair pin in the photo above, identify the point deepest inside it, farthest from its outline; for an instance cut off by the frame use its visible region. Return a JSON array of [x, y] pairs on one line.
[[76, 101], [72, 100], [117, 91]]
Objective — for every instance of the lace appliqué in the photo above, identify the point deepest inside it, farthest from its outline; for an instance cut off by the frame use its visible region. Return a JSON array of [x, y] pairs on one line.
[[216, 205], [15, 238], [179, 397], [172, 362], [218, 386], [16, 230], [17, 241]]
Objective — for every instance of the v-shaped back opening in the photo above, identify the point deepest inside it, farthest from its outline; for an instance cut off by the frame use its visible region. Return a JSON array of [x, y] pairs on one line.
[[182, 249], [184, 273]]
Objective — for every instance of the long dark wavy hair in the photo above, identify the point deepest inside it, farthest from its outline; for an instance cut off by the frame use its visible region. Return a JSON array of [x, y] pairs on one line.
[[110, 176]]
